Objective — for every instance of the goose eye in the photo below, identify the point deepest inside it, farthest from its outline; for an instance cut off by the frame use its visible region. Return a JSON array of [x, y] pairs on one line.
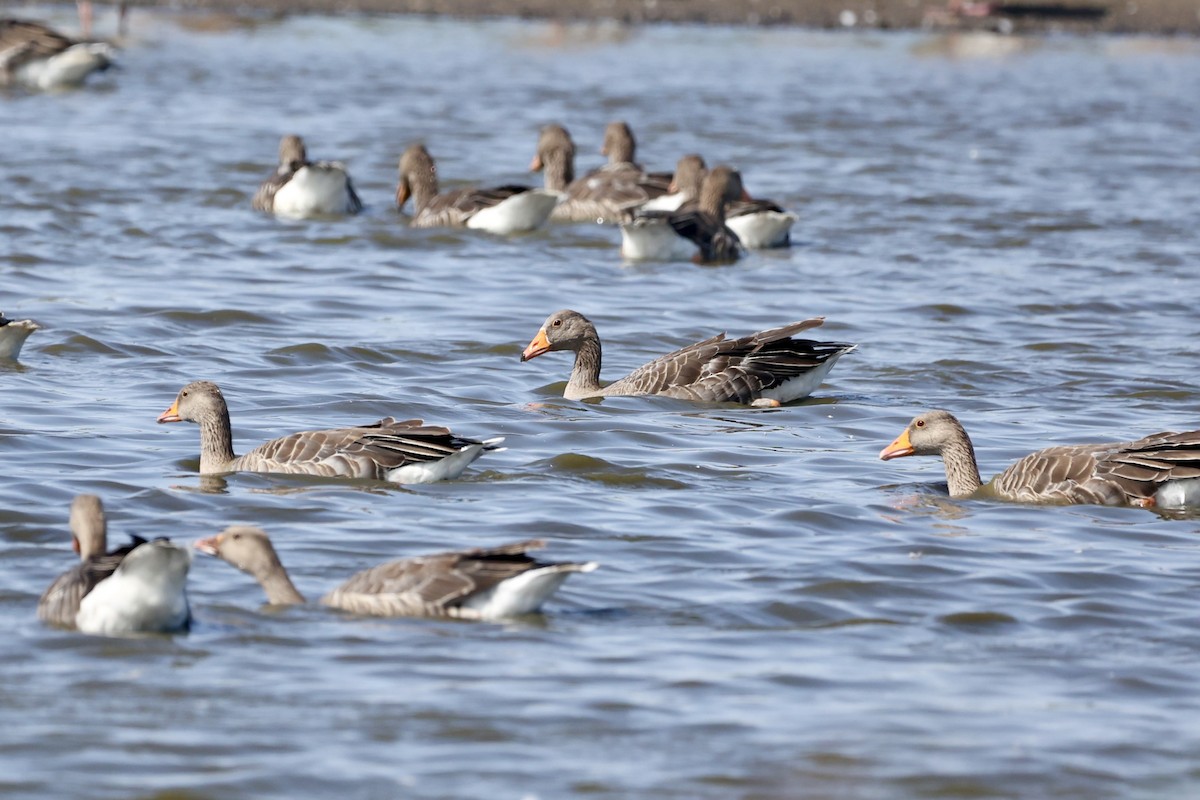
[[183, 394], [920, 423], [237, 536], [557, 323]]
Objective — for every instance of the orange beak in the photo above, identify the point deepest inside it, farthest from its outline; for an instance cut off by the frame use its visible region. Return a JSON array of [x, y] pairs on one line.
[[171, 414], [401, 194], [210, 546], [536, 164], [899, 448], [75, 545], [539, 345]]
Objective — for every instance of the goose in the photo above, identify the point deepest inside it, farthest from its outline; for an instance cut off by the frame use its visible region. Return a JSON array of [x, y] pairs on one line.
[[605, 195], [760, 224], [38, 57], [481, 584], [405, 451], [765, 366], [697, 231], [139, 588], [1162, 469], [13, 333], [301, 188], [501, 210], [684, 187]]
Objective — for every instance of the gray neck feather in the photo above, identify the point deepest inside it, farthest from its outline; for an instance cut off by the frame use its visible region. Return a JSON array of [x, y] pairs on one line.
[[585, 375], [216, 443], [558, 169], [278, 586], [962, 471]]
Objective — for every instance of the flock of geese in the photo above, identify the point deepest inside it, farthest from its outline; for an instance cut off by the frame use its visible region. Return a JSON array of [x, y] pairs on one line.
[[696, 212]]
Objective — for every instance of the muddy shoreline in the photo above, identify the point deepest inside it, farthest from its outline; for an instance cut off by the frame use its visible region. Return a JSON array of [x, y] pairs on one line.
[[1160, 17]]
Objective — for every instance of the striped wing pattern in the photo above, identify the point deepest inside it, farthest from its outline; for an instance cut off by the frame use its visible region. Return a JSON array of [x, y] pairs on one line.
[[264, 198], [434, 585], [610, 193], [1109, 474], [731, 370], [367, 451], [454, 208], [22, 41]]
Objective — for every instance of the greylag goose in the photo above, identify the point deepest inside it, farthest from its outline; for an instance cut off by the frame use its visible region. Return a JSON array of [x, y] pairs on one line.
[[405, 451], [605, 195], [1162, 469], [139, 588], [38, 57], [768, 365], [697, 231], [301, 188], [760, 224], [13, 333], [484, 583], [500, 210]]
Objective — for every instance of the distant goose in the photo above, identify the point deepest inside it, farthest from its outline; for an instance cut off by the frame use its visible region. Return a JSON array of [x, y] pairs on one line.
[[402, 452], [139, 588], [684, 187], [605, 195], [760, 224], [768, 365], [485, 583], [39, 57], [696, 232], [500, 210], [13, 333], [1162, 469], [301, 188]]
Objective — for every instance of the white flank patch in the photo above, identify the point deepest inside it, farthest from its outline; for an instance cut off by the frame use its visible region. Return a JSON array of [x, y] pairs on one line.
[[147, 594], [802, 385], [519, 213], [66, 69], [446, 468], [523, 594], [655, 241], [316, 189], [1177, 494], [13, 336], [763, 229]]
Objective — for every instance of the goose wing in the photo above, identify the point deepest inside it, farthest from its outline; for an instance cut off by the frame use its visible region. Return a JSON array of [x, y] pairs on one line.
[[60, 602], [720, 369]]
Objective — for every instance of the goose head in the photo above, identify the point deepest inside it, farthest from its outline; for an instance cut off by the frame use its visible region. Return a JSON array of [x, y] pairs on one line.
[[88, 527], [562, 330], [245, 547], [927, 435], [196, 402]]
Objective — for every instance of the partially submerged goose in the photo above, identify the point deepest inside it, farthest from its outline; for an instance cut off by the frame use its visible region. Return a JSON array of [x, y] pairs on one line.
[[605, 195], [696, 231], [13, 333], [139, 588], [768, 365], [405, 451], [760, 224], [1160, 470], [485, 583], [301, 188], [501, 210], [39, 57]]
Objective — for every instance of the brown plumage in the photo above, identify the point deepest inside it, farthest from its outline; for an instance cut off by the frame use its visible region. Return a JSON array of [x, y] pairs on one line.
[[59, 604], [304, 187], [406, 451], [1161, 469], [765, 365], [501, 209], [40, 57], [607, 194], [482, 583]]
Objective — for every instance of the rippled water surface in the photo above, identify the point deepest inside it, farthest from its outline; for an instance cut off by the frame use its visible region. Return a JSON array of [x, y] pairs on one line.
[[1008, 230]]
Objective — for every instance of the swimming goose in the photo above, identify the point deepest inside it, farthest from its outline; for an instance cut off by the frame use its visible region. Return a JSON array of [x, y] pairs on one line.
[[604, 195], [697, 231], [500, 210], [39, 57], [13, 333], [760, 224], [301, 188], [684, 187], [405, 451], [139, 588], [484, 583], [1162, 469], [768, 365]]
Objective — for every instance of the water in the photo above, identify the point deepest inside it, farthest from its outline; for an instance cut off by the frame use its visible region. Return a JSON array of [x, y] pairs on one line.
[[1007, 229]]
